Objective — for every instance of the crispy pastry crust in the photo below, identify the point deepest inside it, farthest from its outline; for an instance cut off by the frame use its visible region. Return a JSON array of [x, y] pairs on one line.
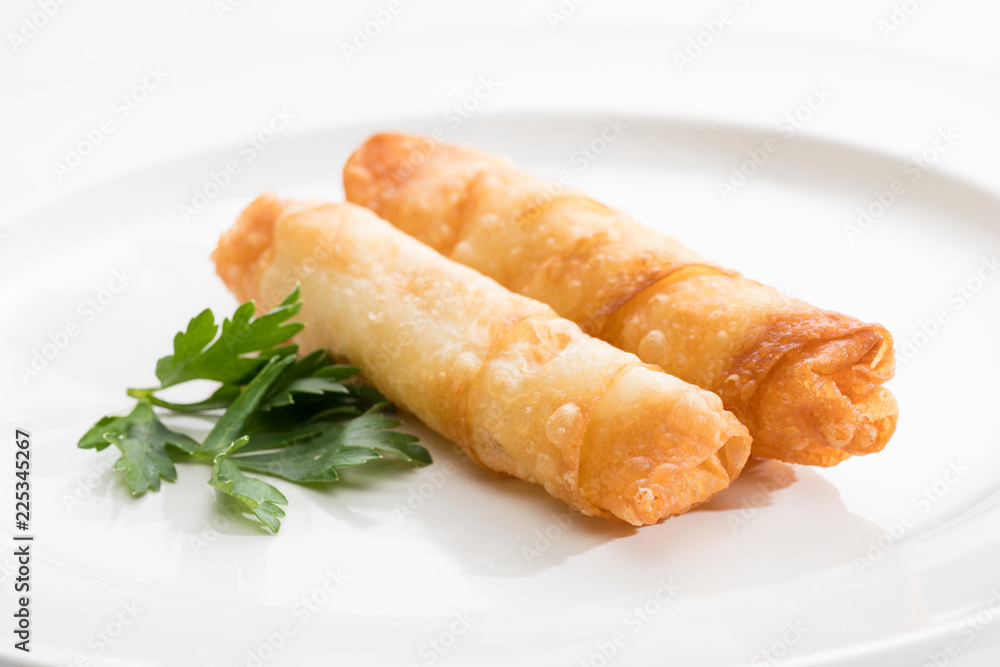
[[807, 382], [523, 391]]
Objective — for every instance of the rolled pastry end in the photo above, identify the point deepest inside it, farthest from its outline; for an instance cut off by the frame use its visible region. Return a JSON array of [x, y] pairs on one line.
[[395, 176], [642, 463], [244, 250], [526, 392], [825, 402]]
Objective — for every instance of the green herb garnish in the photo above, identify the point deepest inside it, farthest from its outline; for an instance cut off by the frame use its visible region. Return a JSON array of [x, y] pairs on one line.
[[281, 416]]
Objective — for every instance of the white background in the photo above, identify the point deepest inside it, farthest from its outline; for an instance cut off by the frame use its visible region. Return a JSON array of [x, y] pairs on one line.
[[227, 70], [89, 52]]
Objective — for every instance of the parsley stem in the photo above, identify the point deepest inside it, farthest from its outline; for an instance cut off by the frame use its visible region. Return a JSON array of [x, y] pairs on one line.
[[230, 425], [141, 394]]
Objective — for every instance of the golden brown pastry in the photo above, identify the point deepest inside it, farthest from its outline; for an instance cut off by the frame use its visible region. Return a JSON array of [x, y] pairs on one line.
[[807, 382], [522, 390]]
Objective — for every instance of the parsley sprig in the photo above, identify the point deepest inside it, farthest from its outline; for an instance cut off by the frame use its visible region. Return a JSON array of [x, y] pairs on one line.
[[282, 416]]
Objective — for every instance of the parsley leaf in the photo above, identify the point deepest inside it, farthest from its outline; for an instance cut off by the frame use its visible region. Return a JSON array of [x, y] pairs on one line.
[[273, 435], [197, 357], [256, 495], [230, 425], [347, 444], [313, 374], [299, 419], [143, 440]]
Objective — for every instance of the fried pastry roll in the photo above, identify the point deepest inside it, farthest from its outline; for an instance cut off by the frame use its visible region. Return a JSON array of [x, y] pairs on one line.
[[523, 391], [807, 382]]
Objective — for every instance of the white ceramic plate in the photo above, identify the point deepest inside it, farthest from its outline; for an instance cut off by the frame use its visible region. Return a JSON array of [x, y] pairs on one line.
[[887, 559]]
